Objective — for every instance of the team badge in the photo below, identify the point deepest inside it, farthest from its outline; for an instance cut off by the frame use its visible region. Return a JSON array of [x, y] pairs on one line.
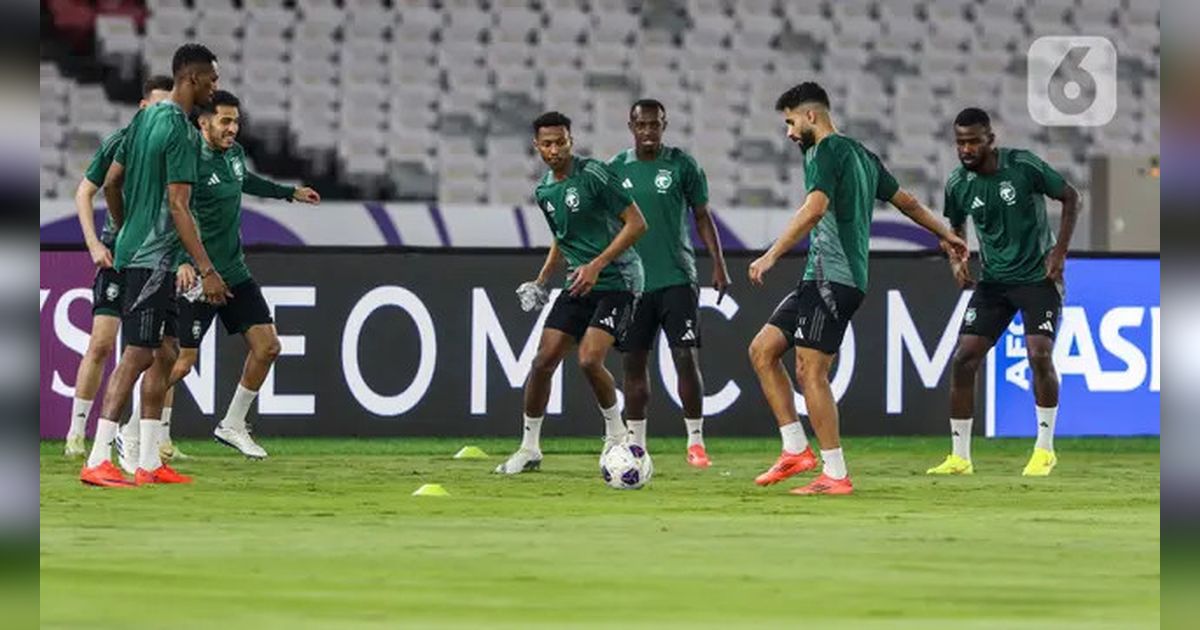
[[572, 199], [112, 291], [1008, 193], [663, 180], [196, 329], [236, 165], [970, 316]]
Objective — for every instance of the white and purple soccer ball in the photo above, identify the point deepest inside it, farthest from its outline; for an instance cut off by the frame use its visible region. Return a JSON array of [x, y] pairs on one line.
[[626, 467]]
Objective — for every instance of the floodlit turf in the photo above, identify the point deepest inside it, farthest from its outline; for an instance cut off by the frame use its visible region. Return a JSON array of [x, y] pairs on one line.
[[325, 534]]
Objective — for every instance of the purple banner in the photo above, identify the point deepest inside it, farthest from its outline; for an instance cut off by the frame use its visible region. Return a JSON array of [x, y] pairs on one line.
[[66, 321]]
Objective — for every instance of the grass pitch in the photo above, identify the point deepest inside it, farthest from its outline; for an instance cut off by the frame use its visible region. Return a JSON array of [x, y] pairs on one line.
[[324, 534]]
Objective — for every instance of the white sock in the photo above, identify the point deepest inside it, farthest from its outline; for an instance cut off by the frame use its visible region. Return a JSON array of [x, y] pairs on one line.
[[637, 432], [79, 414], [794, 440], [1045, 435], [164, 431], [239, 406], [531, 439], [130, 431], [148, 458], [835, 464], [613, 425], [106, 430], [695, 431], [960, 437]]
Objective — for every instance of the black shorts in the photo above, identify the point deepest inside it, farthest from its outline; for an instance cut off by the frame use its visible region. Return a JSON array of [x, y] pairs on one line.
[[994, 304], [816, 315], [675, 310], [610, 311], [148, 309], [245, 309], [106, 292]]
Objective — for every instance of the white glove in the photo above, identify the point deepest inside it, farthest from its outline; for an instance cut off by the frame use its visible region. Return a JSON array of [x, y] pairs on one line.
[[533, 296], [195, 293]]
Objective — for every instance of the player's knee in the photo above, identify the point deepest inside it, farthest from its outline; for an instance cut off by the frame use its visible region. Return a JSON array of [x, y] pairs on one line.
[[966, 362], [684, 361], [185, 362], [99, 350], [272, 349], [1041, 359], [760, 355], [543, 365], [591, 362], [810, 374]]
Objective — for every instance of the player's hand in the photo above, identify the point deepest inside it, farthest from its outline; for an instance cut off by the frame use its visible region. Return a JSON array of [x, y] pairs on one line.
[[215, 290], [759, 268], [955, 248], [720, 281], [304, 194], [962, 274], [185, 278], [101, 257], [1056, 261], [584, 278]]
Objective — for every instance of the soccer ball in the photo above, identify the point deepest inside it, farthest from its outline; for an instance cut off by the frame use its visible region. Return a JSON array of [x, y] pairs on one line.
[[626, 467]]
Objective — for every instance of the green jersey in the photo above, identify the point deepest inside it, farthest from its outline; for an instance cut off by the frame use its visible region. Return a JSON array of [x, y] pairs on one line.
[[583, 211], [1008, 208], [96, 171], [160, 147], [853, 178], [664, 188], [217, 203]]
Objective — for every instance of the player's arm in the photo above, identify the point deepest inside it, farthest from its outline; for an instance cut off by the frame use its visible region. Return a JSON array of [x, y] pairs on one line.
[[263, 187], [1057, 259], [634, 227], [707, 229], [950, 241], [816, 204], [114, 181], [554, 260], [87, 222]]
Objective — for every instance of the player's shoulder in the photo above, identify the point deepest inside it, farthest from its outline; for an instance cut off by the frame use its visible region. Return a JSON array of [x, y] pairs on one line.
[[678, 154], [596, 169], [113, 140], [957, 176], [1014, 155], [620, 158]]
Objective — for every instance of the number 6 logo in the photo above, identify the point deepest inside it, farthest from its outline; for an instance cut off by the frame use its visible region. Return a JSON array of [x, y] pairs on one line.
[[1072, 81]]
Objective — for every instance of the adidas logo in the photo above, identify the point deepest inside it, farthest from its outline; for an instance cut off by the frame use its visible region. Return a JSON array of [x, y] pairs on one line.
[[977, 203], [626, 183], [608, 321], [1046, 326], [688, 336], [799, 333], [1044, 425], [214, 180]]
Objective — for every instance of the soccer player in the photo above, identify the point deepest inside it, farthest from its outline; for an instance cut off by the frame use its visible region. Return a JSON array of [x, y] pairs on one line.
[[106, 288], [843, 179], [665, 181], [1002, 190], [595, 224], [221, 179], [152, 175]]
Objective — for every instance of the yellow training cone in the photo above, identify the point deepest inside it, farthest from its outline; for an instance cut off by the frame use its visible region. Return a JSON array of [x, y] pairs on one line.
[[431, 490], [470, 452]]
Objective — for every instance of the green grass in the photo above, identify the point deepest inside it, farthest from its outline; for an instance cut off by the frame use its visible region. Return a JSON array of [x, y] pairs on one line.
[[324, 534]]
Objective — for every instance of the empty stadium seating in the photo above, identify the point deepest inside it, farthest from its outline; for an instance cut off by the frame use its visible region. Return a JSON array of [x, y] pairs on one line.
[[413, 99]]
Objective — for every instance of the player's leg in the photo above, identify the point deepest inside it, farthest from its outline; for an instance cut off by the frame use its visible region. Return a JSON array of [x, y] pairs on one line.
[[101, 345], [636, 387], [613, 314], [263, 348], [129, 438], [179, 370], [153, 396], [1041, 307], [639, 341], [987, 315], [825, 314], [681, 323], [247, 313], [565, 324], [146, 308], [106, 321], [766, 354]]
